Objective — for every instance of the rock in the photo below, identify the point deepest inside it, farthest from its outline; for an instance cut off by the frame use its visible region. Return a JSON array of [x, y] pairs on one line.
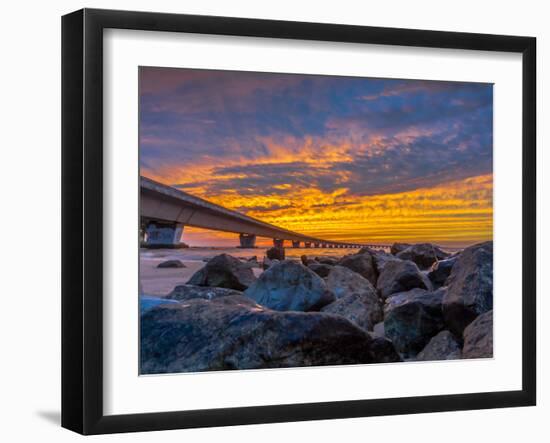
[[401, 276], [343, 281], [478, 337], [358, 308], [268, 263], [320, 269], [396, 248], [290, 286], [171, 264], [275, 253], [189, 292], [381, 258], [362, 264], [357, 299], [379, 329], [147, 302], [384, 350], [234, 333], [470, 287], [440, 271], [412, 318], [443, 346], [327, 260], [366, 250], [305, 260], [423, 254], [224, 271], [253, 260]]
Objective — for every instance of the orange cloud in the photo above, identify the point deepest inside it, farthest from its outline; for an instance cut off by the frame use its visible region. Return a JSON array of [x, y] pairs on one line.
[[285, 150], [454, 214]]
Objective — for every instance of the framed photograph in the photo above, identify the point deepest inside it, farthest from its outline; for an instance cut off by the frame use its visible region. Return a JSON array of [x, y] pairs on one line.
[[268, 221]]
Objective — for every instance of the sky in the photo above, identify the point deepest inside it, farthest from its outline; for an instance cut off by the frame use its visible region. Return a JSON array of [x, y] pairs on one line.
[[340, 158]]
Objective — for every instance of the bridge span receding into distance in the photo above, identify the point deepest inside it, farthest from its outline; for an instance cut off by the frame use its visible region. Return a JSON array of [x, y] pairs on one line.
[[165, 211]]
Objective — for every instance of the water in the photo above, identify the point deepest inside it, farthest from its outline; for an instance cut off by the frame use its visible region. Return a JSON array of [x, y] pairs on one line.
[[200, 254]]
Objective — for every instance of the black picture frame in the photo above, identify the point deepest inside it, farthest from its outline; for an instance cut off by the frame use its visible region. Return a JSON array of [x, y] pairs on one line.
[[82, 219]]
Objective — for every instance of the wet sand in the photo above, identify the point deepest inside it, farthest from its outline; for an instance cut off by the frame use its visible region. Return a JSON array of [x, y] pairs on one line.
[[161, 281]]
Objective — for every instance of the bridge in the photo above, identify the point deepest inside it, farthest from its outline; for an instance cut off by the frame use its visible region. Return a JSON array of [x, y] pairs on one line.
[[165, 211]]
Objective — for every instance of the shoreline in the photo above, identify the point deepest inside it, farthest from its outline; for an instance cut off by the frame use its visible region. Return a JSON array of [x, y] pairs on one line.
[[159, 282]]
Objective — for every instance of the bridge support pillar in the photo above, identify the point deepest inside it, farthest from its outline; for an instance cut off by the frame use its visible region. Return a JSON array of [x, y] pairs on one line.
[[163, 235], [142, 229], [278, 242], [307, 244], [295, 244], [247, 240]]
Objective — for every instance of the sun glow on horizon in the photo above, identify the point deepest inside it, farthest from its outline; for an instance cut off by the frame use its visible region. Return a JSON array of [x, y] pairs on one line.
[[457, 213]]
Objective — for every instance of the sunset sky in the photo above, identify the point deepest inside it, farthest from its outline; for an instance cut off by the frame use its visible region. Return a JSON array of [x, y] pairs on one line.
[[339, 158]]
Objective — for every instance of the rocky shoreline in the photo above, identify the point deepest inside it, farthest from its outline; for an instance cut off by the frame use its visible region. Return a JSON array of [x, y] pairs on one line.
[[416, 303]]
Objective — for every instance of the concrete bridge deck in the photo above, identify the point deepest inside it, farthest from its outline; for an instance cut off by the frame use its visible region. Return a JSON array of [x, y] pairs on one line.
[[165, 211]]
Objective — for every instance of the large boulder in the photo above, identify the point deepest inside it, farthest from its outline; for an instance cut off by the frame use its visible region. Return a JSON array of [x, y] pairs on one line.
[[362, 263], [327, 260], [275, 253], [290, 286], [321, 269], [366, 250], [444, 346], [423, 254], [478, 337], [224, 271], [306, 261], [358, 308], [396, 248], [380, 259], [383, 350], [378, 329], [470, 287], [357, 299], [189, 292], [171, 264], [401, 276], [441, 270], [267, 263], [342, 281], [412, 318], [235, 333], [147, 302]]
